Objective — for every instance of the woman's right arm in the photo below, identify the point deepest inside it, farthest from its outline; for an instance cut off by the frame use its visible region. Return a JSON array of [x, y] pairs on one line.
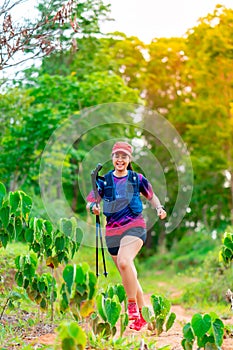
[[92, 205]]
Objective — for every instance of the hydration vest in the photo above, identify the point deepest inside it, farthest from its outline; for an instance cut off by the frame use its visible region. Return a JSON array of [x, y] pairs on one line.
[[132, 198]]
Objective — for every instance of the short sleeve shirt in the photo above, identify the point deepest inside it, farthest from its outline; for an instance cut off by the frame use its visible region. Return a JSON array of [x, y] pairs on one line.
[[125, 219]]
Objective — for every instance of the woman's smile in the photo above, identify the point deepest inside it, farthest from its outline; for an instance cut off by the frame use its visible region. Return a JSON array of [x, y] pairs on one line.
[[120, 163]]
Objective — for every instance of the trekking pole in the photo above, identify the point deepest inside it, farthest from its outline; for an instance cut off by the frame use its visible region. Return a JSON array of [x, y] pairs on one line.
[[102, 249], [94, 175]]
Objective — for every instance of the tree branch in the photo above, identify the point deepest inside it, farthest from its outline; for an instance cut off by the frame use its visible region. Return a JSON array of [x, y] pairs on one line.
[[42, 36]]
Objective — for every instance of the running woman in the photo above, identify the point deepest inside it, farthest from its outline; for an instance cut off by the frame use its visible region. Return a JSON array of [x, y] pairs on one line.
[[126, 233]]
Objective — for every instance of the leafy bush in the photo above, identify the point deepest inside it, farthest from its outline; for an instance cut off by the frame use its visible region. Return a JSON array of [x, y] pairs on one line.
[[226, 252], [78, 290], [109, 311], [206, 330], [190, 251], [212, 281], [71, 335], [162, 316]]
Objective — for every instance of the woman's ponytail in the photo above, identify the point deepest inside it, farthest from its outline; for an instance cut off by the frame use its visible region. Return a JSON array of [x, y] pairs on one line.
[[129, 167]]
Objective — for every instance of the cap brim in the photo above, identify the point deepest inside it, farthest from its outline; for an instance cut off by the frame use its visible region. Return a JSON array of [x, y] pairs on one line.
[[123, 151]]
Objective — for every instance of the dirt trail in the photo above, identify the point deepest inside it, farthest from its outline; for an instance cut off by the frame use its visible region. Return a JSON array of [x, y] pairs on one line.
[[173, 337]]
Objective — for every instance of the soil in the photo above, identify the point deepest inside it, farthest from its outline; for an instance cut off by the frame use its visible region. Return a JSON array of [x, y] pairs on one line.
[[173, 337]]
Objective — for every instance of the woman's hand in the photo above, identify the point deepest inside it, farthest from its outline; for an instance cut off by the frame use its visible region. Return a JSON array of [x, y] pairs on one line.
[[161, 213], [93, 208], [96, 209], [155, 203]]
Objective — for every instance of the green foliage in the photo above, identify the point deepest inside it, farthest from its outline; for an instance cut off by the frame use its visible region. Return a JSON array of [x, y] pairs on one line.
[[116, 289], [207, 330], [2, 193], [108, 312], [9, 302], [211, 278], [78, 290], [115, 68], [54, 245], [192, 249], [96, 341], [89, 14], [38, 287], [14, 215], [117, 53], [161, 314], [71, 336], [188, 252], [207, 114], [26, 266], [208, 282], [226, 252]]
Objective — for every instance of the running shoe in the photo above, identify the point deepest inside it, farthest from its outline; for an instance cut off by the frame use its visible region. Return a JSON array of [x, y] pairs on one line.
[[138, 324], [133, 311]]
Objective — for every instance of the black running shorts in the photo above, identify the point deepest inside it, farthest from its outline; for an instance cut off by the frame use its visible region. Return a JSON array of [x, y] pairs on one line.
[[113, 242]]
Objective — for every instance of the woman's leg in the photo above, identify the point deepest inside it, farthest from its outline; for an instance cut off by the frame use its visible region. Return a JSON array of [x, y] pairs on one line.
[[129, 248]]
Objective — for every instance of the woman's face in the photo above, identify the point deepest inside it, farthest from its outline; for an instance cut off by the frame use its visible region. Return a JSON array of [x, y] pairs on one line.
[[120, 161]]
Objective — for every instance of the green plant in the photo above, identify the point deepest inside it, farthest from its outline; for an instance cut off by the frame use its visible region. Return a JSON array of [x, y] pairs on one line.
[[226, 251], [98, 342], [78, 290], [40, 288], [53, 245], [71, 336], [161, 316], [116, 289], [108, 312], [206, 330], [14, 215], [9, 302]]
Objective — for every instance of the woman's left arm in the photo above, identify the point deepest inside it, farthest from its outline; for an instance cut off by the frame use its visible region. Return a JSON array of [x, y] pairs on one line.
[[155, 203], [147, 191]]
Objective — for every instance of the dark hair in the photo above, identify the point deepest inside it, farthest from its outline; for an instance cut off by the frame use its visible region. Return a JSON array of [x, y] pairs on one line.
[[129, 167]]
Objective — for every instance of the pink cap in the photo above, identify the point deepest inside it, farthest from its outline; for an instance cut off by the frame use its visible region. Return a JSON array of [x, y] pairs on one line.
[[122, 147]]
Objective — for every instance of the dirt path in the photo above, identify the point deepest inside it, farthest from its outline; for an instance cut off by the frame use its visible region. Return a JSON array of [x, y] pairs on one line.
[[173, 337]]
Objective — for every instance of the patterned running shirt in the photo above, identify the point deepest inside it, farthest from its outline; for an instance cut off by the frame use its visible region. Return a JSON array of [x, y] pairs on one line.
[[123, 220]]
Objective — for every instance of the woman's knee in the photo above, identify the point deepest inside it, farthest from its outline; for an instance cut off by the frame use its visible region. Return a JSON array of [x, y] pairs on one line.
[[123, 263]]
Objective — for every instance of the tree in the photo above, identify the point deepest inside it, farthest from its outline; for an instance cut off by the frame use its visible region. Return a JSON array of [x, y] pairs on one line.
[[54, 28], [36, 111], [114, 52], [205, 117], [165, 77]]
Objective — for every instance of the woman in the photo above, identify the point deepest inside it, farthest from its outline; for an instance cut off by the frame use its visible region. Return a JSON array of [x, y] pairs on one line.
[[126, 228]]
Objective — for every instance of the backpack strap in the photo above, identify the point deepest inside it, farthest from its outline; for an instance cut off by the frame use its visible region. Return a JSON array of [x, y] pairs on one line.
[[133, 179], [109, 188]]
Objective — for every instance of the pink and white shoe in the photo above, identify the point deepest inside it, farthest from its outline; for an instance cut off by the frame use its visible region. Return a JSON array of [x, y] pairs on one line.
[[138, 324], [133, 312]]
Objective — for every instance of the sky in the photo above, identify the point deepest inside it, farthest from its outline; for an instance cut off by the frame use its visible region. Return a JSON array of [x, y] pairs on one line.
[[148, 19]]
